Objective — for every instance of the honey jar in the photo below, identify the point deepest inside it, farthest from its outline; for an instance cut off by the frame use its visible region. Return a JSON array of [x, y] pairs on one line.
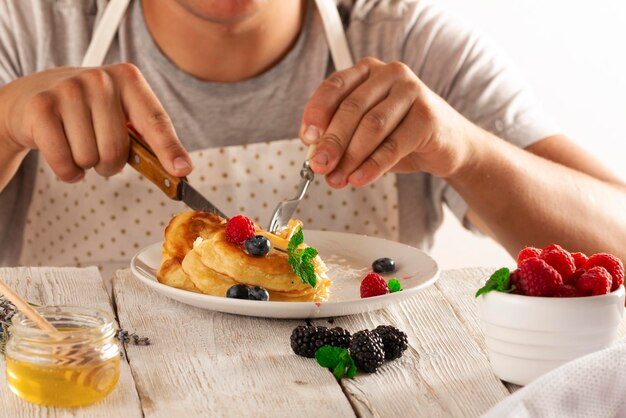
[[78, 365]]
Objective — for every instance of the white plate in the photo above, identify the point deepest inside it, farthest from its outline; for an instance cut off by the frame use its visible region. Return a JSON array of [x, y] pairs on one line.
[[349, 258]]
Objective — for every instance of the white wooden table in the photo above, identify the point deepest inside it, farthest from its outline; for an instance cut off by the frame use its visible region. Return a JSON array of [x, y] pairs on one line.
[[204, 363]]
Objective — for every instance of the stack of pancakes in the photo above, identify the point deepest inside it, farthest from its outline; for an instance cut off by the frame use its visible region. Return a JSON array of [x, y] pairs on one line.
[[198, 257]]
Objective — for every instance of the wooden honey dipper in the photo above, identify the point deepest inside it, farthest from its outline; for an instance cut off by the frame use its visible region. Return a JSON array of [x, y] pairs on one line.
[[30, 312]]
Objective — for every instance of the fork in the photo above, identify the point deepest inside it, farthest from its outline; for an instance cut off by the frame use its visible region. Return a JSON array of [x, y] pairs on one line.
[[286, 208]]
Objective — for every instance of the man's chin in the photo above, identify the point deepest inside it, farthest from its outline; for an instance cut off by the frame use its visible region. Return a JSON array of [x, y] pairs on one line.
[[226, 12]]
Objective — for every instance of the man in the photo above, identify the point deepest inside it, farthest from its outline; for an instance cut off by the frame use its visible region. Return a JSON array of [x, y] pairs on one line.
[[433, 102]]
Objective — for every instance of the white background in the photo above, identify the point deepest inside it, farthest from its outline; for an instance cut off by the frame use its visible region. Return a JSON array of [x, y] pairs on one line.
[[573, 53]]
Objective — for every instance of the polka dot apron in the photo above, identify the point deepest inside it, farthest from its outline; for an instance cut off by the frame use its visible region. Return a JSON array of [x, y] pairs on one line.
[[101, 220]]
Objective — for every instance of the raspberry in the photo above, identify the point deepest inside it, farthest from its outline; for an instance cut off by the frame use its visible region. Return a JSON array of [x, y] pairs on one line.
[[527, 253], [595, 281], [538, 278], [373, 285], [612, 264], [567, 291], [561, 260], [552, 247], [239, 229], [580, 260], [573, 279]]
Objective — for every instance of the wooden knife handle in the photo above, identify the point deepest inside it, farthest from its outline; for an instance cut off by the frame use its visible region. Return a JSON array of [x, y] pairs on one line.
[[142, 159]]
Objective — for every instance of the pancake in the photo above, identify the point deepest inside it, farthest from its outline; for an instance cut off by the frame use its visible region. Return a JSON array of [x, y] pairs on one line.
[[206, 280], [272, 271], [198, 257], [210, 282], [181, 232]]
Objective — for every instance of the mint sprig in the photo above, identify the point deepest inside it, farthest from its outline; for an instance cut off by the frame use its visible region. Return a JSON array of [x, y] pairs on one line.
[[337, 359], [301, 261], [499, 281], [394, 285]]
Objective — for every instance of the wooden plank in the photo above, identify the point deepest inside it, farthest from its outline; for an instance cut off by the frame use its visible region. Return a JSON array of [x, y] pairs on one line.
[[67, 286], [211, 364], [458, 289], [443, 373]]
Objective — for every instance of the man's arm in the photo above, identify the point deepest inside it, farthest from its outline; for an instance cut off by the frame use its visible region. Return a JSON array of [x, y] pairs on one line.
[[377, 117], [11, 155], [553, 192], [10, 160]]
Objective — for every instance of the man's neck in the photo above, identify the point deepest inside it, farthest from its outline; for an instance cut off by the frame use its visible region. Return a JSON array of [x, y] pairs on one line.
[[224, 51]]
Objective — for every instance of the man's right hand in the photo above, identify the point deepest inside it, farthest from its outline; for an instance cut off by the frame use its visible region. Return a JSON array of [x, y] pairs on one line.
[[77, 118]]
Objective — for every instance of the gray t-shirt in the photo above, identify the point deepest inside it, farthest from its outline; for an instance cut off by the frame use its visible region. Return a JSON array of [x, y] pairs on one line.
[[454, 61]]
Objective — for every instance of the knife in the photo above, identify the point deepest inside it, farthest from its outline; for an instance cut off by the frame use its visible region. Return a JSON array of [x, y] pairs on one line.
[[142, 159]]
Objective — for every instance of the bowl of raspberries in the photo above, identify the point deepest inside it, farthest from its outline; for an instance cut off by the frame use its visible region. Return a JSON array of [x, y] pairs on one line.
[[554, 307]]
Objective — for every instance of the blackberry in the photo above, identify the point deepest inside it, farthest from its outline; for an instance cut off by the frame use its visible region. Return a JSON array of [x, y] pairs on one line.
[[395, 342], [338, 337], [367, 351], [305, 340]]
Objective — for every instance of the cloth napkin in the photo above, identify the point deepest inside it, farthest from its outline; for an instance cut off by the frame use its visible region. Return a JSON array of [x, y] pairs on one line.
[[591, 386]]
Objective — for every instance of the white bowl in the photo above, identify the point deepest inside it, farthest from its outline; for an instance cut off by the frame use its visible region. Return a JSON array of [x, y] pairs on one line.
[[528, 336]]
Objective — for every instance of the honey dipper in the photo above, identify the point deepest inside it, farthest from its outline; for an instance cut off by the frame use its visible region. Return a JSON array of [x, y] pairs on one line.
[[30, 312]]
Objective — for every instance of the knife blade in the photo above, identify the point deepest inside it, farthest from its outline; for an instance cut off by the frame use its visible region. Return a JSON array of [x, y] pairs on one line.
[[142, 159], [196, 201]]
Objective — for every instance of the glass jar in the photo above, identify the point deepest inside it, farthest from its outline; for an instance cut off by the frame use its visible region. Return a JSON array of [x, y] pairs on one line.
[[77, 366]]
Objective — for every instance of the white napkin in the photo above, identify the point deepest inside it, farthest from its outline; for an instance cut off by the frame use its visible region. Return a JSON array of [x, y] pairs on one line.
[[591, 386]]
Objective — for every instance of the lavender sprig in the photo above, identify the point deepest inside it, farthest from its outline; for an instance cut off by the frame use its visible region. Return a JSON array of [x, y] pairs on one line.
[[7, 310], [133, 338]]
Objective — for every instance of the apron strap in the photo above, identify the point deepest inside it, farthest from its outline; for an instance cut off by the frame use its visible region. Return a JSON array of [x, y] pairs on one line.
[[104, 33], [335, 34], [115, 10]]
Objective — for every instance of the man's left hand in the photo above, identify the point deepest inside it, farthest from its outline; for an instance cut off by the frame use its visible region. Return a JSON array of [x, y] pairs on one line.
[[376, 117]]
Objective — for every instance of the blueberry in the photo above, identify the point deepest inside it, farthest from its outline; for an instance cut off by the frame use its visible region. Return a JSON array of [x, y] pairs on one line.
[[384, 265], [258, 245], [259, 293], [238, 291]]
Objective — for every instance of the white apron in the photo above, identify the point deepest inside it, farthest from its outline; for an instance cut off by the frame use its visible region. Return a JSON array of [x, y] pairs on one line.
[[104, 221]]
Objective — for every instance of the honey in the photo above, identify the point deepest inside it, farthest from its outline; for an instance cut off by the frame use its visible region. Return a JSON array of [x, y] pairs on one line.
[[62, 386], [77, 367]]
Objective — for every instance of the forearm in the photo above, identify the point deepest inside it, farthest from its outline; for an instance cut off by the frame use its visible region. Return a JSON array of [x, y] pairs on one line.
[[11, 155], [9, 163], [524, 199]]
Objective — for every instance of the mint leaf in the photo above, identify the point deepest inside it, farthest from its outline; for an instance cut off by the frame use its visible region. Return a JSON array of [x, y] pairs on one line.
[[295, 241], [336, 359], [309, 253], [340, 370], [301, 261], [328, 356], [308, 273], [499, 281], [351, 369], [394, 285]]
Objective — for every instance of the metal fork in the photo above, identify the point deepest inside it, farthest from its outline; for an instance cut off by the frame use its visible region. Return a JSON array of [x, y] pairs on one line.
[[286, 208]]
